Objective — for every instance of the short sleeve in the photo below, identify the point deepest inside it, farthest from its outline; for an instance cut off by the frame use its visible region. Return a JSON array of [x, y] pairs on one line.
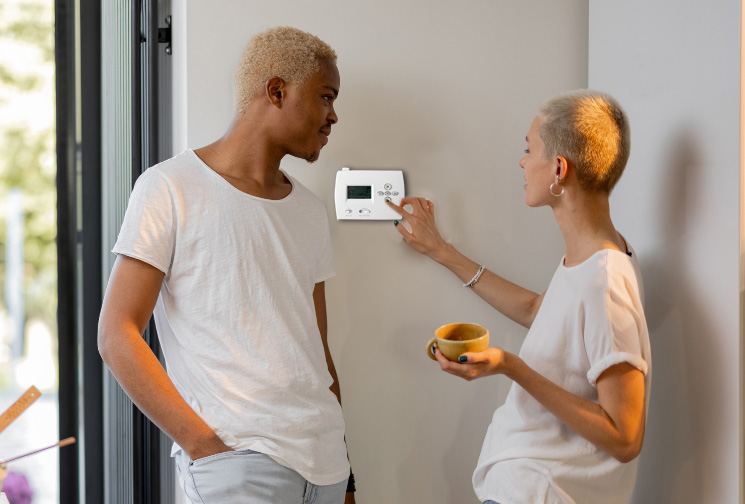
[[325, 269], [615, 328], [148, 232]]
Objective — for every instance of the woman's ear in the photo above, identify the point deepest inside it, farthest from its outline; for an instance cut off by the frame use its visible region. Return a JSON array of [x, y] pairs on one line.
[[275, 90], [562, 168]]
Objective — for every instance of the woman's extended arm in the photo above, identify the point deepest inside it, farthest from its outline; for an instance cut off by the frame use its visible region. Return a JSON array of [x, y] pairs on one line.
[[520, 305], [615, 424]]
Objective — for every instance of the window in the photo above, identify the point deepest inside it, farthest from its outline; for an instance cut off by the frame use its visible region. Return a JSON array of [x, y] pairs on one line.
[[28, 253]]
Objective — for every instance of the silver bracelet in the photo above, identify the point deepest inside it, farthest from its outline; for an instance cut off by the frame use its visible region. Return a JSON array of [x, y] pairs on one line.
[[475, 277]]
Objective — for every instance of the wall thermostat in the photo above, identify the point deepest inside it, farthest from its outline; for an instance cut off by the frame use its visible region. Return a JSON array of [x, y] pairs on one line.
[[362, 194]]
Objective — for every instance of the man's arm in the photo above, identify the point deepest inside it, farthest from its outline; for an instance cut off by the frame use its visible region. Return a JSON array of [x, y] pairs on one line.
[[319, 299], [127, 307]]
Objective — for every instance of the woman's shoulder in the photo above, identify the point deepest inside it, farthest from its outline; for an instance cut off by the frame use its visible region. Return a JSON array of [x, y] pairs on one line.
[[615, 274], [604, 268], [604, 259]]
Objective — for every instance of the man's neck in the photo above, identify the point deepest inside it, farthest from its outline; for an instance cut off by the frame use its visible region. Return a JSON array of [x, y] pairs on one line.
[[246, 159]]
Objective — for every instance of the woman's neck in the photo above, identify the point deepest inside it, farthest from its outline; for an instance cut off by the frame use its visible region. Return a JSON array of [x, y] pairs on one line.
[[585, 224]]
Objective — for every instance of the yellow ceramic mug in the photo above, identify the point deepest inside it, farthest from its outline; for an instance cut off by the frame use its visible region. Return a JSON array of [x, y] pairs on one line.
[[456, 339]]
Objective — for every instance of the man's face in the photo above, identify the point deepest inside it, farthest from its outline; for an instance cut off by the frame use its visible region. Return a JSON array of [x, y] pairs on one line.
[[310, 112], [539, 171]]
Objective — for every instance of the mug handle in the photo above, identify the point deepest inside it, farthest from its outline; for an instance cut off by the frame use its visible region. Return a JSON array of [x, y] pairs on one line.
[[430, 354]]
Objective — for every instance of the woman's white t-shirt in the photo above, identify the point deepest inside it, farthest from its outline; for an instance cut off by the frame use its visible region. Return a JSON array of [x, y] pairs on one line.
[[235, 315], [591, 318]]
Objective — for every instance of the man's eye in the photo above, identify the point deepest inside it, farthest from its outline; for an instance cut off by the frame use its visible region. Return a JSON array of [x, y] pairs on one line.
[[328, 98]]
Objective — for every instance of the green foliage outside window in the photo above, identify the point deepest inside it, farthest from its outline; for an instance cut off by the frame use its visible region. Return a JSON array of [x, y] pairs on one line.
[[27, 150]]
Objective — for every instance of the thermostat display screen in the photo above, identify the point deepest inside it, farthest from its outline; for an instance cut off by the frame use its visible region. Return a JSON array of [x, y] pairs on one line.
[[359, 192]]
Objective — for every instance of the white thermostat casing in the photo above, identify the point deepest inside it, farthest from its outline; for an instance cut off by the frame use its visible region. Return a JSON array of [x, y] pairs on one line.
[[362, 194]]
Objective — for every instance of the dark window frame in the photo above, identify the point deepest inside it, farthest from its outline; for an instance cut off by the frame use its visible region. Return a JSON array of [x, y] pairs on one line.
[[78, 244], [78, 52]]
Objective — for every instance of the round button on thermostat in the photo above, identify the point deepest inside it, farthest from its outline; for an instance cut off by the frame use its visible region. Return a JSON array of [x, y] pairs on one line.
[[387, 187]]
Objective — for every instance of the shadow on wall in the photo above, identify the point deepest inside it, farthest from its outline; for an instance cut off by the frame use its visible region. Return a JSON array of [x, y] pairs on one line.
[[680, 336]]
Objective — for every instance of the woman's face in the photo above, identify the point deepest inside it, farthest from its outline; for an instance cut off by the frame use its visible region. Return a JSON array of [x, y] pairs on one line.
[[540, 172]]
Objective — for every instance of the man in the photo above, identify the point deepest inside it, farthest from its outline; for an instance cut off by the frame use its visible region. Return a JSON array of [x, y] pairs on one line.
[[231, 255]]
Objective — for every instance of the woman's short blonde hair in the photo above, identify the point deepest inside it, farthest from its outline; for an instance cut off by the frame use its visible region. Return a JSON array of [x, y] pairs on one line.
[[285, 52], [590, 130]]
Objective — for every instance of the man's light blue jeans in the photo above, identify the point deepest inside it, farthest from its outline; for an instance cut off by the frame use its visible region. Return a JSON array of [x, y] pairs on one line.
[[249, 477]]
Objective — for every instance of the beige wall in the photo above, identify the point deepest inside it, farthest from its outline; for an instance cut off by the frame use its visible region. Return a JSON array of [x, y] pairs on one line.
[[444, 91], [676, 68]]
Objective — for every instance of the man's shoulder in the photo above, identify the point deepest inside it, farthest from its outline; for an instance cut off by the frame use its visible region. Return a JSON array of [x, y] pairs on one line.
[[178, 165], [304, 195], [177, 173]]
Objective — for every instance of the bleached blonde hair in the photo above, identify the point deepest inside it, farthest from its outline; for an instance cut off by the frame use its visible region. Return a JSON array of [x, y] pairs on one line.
[[283, 51], [590, 129]]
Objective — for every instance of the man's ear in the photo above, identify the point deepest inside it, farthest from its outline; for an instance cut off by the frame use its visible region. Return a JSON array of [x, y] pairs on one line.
[[275, 90], [562, 168]]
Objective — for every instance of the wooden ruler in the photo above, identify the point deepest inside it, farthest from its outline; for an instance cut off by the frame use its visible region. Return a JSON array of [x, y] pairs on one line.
[[18, 407]]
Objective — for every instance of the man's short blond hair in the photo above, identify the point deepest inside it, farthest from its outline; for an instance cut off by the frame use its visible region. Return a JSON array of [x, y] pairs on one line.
[[591, 131], [285, 52]]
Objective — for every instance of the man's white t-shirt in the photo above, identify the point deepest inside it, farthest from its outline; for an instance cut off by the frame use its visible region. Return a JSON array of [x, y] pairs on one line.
[[235, 315], [591, 318]]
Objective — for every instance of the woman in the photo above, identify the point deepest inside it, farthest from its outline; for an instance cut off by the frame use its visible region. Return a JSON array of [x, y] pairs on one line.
[[573, 422]]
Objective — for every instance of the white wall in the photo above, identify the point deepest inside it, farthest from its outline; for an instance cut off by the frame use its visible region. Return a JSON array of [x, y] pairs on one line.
[[675, 66], [446, 92]]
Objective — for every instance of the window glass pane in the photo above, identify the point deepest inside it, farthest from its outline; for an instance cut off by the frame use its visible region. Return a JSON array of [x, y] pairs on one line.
[[28, 256]]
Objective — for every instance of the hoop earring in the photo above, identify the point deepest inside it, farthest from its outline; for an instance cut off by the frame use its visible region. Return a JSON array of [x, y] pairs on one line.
[[551, 189]]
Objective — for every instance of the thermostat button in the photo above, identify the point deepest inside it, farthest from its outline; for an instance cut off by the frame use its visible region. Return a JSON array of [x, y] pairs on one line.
[[387, 187]]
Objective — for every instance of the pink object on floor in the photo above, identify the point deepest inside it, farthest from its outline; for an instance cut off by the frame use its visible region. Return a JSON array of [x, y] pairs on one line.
[[16, 488]]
